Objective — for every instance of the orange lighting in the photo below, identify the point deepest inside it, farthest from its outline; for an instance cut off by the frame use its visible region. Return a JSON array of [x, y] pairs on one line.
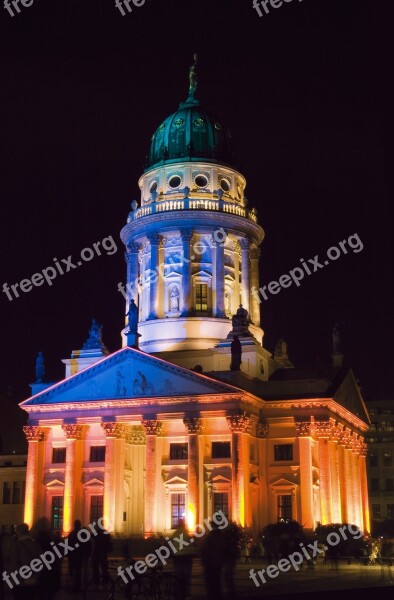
[[28, 516], [242, 509], [67, 516], [191, 517]]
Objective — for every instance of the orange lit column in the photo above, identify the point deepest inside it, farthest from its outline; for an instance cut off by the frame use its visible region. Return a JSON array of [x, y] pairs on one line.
[[194, 428], [323, 432], [364, 487], [34, 435], [114, 433], [349, 474], [72, 433], [245, 290], [239, 425], [187, 235], [152, 429], [358, 511], [343, 476], [335, 486], [254, 300], [305, 432], [154, 240]]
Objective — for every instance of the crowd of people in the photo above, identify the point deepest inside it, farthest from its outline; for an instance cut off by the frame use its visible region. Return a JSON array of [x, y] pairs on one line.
[[18, 548], [219, 550]]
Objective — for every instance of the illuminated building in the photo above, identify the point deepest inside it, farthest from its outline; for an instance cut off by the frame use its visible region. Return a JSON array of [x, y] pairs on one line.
[[380, 465], [147, 435], [12, 486]]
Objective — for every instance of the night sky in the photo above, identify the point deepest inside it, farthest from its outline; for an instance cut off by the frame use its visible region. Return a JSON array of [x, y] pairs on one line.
[[303, 92]]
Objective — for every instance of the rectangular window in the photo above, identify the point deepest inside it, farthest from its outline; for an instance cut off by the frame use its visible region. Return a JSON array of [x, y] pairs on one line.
[[177, 509], [374, 485], [96, 508], [202, 297], [283, 452], [390, 511], [389, 485], [373, 459], [220, 502], [387, 459], [57, 513], [6, 493], [58, 455], [376, 511], [16, 492], [178, 451], [221, 450], [284, 508], [97, 453]]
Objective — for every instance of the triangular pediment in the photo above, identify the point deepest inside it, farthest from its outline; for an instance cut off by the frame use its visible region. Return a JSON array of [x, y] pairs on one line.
[[173, 276], [128, 374], [349, 396], [220, 479], [281, 482], [53, 483], [176, 480], [202, 274], [94, 482]]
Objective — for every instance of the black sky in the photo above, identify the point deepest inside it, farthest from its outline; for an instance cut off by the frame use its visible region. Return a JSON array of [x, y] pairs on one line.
[[303, 91]]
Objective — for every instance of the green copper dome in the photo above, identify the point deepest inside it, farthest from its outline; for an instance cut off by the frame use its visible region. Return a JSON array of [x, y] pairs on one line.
[[190, 134]]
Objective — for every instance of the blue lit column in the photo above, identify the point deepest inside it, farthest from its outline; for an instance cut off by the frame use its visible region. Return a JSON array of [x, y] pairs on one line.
[[154, 240], [131, 257], [187, 235], [219, 281]]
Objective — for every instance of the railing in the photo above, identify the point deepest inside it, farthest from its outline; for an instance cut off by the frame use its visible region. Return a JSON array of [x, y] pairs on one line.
[[192, 204]]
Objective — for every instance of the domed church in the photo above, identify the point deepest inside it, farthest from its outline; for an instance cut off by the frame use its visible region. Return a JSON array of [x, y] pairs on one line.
[[192, 414]]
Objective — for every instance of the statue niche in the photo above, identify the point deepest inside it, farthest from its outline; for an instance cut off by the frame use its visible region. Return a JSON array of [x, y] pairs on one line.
[[174, 299]]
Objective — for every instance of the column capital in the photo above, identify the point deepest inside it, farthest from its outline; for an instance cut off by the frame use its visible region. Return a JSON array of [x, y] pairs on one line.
[[186, 235], [114, 430], [363, 449], [239, 422], [74, 431], [136, 435], [244, 243], [262, 430], [193, 425], [133, 248], [152, 426], [35, 433], [154, 239], [324, 428], [236, 246], [305, 428], [255, 253], [346, 438]]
